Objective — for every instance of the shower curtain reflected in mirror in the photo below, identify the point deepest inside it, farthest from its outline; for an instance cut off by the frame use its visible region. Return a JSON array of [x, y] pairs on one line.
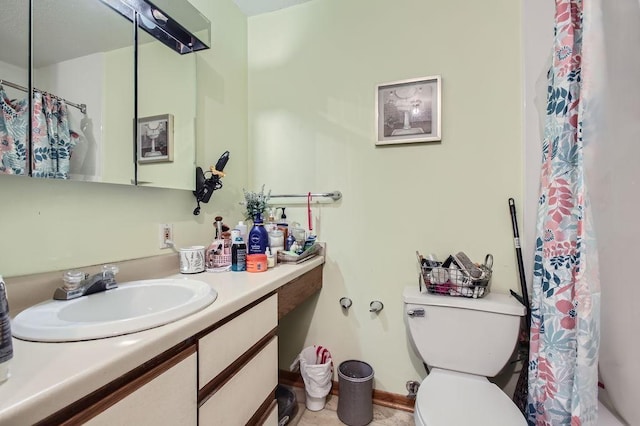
[[13, 134], [53, 140]]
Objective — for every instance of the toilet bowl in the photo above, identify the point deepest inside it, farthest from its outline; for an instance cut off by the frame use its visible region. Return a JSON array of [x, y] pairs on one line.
[[463, 341], [452, 398]]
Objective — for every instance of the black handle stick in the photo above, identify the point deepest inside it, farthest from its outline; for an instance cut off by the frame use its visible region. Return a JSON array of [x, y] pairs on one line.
[[523, 282]]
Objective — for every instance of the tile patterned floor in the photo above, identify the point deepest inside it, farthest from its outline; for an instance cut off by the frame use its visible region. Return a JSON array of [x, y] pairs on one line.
[[382, 416]]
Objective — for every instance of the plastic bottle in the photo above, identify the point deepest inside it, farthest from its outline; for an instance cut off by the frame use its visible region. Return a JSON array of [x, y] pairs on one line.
[[258, 237], [272, 215], [270, 224], [283, 224], [242, 227], [238, 254], [289, 242], [276, 240], [309, 242], [271, 260], [6, 345]]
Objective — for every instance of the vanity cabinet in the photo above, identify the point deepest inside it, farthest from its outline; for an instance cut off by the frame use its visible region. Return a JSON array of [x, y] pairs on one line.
[[238, 367], [225, 374], [248, 394], [165, 395]]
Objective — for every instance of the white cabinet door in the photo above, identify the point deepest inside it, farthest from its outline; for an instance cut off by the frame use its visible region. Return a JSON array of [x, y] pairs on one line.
[[218, 349], [240, 397], [168, 399]]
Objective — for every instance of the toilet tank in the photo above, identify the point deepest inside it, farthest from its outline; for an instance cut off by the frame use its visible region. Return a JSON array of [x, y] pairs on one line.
[[475, 336]]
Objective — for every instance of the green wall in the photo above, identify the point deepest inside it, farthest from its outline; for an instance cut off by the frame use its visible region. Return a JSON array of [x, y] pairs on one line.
[[313, 71]]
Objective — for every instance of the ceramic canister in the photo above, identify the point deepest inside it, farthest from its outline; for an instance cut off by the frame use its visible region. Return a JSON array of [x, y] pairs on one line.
[[192, 259]]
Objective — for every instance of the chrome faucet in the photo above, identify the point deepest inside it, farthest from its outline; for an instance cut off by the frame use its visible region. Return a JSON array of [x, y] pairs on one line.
[[78, 284]]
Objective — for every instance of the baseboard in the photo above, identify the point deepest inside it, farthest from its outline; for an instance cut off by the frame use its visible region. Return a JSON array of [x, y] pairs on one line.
[[381, 398]]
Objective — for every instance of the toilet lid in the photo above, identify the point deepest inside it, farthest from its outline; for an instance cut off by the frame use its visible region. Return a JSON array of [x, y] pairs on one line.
[[448, 398]]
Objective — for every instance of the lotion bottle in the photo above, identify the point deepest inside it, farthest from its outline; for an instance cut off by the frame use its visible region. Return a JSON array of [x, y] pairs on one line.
[[258, 237]]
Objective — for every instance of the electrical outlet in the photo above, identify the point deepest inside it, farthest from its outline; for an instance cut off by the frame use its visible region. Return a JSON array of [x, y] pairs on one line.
[[166, 234]]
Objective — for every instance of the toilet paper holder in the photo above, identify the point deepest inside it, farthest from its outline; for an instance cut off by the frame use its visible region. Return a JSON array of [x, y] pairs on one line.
[[345, 302], [376, 306]]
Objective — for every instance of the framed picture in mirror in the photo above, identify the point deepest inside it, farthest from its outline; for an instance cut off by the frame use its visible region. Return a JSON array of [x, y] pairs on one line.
[[408, 111], [155, 139]]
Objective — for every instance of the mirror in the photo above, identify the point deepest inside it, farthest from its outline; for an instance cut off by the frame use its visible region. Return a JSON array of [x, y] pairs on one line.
[[166, 115], [83, 53], [14, 78]]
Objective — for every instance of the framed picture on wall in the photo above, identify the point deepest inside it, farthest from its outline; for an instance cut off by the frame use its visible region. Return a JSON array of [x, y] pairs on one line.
[[155, 139], [408, 111]]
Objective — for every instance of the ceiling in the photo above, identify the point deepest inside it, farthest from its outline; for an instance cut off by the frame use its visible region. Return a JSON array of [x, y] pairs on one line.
[[257, 7]]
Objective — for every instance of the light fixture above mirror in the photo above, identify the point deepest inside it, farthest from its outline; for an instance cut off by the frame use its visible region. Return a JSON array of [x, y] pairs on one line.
[[173, 22]]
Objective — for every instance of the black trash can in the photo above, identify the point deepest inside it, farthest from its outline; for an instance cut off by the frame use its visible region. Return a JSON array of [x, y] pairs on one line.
[[287, 404], [355, 399]]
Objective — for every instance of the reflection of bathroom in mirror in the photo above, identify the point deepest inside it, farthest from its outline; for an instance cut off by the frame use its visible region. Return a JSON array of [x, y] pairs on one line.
[[167, 85], [83, 53]]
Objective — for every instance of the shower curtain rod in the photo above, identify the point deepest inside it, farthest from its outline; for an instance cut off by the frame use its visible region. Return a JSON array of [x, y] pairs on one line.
[[81, 107]]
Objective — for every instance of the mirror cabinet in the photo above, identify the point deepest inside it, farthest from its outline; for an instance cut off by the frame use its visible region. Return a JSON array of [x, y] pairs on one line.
[[111, 101]]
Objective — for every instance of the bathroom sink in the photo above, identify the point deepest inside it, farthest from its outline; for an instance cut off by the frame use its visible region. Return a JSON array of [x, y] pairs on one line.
[[131, 307]]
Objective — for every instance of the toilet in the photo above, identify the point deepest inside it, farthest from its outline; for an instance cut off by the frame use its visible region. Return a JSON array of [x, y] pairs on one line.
[[463, 341]]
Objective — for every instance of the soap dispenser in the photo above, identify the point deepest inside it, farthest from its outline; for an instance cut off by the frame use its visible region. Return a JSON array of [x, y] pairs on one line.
[[283, 224]]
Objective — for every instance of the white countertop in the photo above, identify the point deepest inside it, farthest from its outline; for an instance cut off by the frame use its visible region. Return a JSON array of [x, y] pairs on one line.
[[46, 377]]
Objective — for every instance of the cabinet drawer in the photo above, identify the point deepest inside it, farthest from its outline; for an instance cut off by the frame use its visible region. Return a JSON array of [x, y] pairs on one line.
[[218, 349], [242, 395], [169, 399]]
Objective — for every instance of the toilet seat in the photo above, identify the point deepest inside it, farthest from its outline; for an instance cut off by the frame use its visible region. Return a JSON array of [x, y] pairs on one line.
[[448, 398]]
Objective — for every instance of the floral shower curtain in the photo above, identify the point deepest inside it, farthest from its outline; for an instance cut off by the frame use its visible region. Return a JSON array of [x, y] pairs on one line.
[[52, 139], [13, 135], [565, 305]]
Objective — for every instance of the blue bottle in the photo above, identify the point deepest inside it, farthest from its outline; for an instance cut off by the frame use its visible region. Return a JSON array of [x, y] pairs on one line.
[[258, 237], [289, 242], [310, 241], [238, 254]]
